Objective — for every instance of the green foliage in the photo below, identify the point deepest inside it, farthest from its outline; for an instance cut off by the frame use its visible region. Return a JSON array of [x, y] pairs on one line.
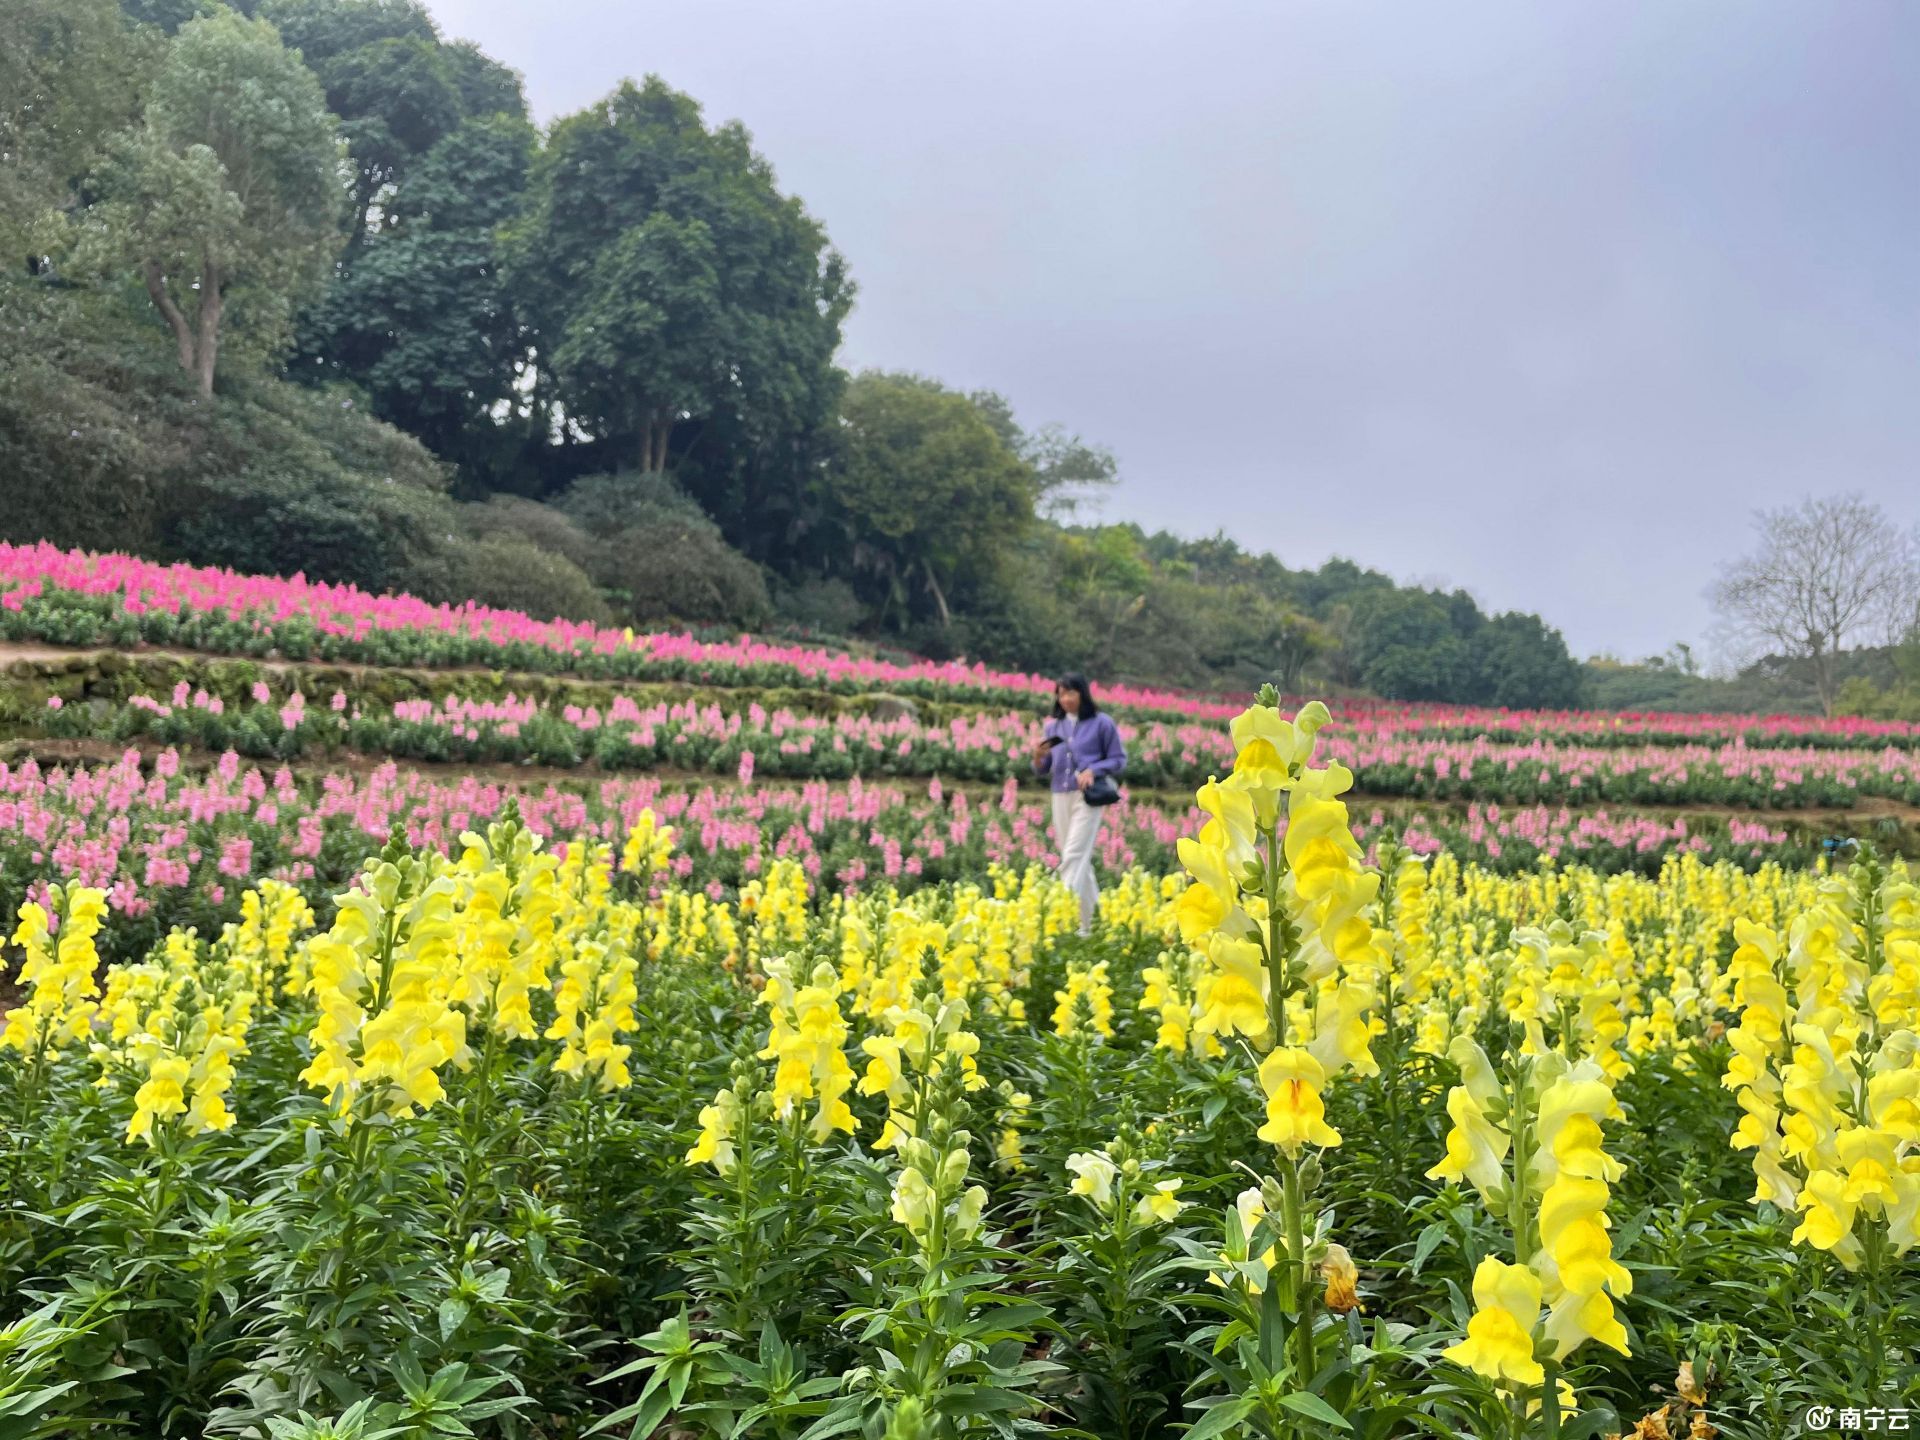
[[922, 496], [167, 16], [1860, 696], [1411, 648], [439, 139], [335, 525], [634, 295], [668, 281], [818, 605], [419, 317], [1524, 665], [1068, 472], [69, 75], [92, 412], [514, 574], [395, 88], [658, 556], [271, 477], [1897, 697], [225, 194], [1422, 645], [516, 517]]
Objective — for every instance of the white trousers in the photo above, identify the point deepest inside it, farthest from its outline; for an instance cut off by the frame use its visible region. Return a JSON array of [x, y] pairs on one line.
[[1076, 825]]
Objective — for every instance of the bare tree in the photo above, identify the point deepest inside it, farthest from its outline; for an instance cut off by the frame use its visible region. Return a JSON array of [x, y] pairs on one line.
[[1830, 574]]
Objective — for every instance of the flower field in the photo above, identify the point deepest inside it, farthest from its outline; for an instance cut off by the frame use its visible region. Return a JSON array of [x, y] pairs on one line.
[[429, 1021], [173, 844], [378, 1103], [712, 739], [81, 600]]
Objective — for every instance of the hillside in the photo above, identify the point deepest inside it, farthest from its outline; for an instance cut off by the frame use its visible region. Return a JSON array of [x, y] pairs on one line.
[[188, 670], [443, 385]]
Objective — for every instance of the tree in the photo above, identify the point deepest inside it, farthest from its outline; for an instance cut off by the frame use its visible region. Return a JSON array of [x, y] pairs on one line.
[[1109, 578], [669, 283], [421, 318], [1408, 648], [440, 145], [1296, 638], [923, 496], [167, 16], [397, 89], [1524, 665], [1831, 573], [485, 86], [1338, 592], [396, 100], [1068, 471], [657, 554], [228, 193], [68, 77], [321, 29]]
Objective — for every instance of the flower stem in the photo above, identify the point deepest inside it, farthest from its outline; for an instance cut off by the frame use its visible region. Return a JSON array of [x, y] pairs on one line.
[[1306, 1361]]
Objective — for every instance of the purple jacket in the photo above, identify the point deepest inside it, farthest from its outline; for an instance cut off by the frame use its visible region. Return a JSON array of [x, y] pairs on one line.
[[1094, 745]]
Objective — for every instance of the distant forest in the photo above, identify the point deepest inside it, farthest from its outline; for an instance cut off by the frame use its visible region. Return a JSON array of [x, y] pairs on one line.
[[297, 285]]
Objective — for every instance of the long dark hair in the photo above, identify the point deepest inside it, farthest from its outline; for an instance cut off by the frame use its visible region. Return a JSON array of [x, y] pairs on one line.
[[1088, 709]]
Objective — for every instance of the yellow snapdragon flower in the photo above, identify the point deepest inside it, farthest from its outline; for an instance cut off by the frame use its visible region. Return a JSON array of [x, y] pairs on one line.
[[59, 973], [1506, 1308]]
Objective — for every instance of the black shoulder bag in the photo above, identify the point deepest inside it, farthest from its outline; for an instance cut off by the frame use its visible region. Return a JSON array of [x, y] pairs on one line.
[[1102, 790]]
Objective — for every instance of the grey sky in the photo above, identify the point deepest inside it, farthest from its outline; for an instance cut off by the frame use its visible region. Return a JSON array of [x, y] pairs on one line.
[[1540, 299]]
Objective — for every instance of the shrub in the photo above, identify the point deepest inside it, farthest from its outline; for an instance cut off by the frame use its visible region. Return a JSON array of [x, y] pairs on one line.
[[100, 425], [329, 526], [516, 574], [658, 555], [821, 606], [515, 517], [269, 477]]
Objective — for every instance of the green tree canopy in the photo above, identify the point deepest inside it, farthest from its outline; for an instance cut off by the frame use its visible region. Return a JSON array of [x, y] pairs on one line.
[[167, 16], [1423, 645], [69, 76], [1068, 471], [669, 283], [227, 192], [1524, 664], [397, 89], [1409, 648], [922, 496], [421, 319], [440, 145]]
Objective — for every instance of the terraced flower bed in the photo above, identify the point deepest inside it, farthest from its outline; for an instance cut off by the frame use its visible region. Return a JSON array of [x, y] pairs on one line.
[[616, 733]]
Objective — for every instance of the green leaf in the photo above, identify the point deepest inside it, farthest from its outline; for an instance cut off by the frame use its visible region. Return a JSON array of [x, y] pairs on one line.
[[1222, 1417], [1305, 1402], [837, 1421], [1424, 1247], [1589, 1423], [983, 1400], [646, 1415]]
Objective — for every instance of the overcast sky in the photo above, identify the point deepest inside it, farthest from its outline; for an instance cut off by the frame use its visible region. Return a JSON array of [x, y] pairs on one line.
[[1538, 299]]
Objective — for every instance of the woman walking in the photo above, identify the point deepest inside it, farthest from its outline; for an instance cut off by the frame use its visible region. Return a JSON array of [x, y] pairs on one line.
[[1081, 753]]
